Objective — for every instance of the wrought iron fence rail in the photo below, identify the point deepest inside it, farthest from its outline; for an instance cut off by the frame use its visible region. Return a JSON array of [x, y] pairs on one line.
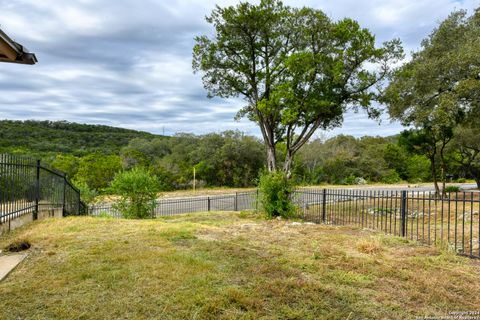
[[175, 206], [27, 185], [452, 221]]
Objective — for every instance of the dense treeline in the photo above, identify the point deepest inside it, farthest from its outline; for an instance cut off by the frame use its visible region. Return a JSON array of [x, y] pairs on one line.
[[347, 160], [227, 159], [43, 137], [231, 158]]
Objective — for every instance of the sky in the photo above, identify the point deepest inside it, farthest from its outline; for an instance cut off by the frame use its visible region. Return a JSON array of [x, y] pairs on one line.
[[128, 63]]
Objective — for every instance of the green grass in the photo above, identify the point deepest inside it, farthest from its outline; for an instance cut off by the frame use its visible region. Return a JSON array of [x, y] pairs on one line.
[[229, 266]]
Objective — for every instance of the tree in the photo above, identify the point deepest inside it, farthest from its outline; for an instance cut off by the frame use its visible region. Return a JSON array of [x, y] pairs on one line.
[[426, 141], [417, 169], [396, 158], [296, 69], [467, 143], [97, 170], [439, 88], [66, 163]]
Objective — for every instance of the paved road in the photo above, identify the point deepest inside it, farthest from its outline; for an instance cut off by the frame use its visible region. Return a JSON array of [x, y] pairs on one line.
[[173, 206], [415, 188], [247, 200]]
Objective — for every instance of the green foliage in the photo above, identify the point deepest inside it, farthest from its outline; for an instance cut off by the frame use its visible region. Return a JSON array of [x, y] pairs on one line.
[[439, 86], [392, 176], [297, 69], [450, 189], [87, 194], [418, 169], [340, 160], [275, 192], [229, 159], [395, 158], [349, 180], [438, 90], [138, 190], [466, 149], [66, 163], [97, 170], [45, 137], [233, 159]]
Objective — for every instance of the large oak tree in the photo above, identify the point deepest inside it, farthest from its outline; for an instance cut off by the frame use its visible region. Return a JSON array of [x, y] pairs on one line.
[[440, 87], [296, 69]]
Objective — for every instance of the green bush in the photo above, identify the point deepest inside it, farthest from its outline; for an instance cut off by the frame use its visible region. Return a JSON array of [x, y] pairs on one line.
[[391, 177], [349, 180], [418, 169], [461, 180], [275, 192], [86, 194], [452, 189], [138, 190]]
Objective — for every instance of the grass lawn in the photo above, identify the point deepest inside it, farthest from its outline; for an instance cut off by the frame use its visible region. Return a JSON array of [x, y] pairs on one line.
[[229, 266]]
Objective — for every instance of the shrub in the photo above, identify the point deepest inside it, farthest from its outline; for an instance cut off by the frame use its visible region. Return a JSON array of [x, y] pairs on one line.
[[461, 180], [275, 195], [418, 169], [452, 189], [391, 177], [349, 180], [86, 194], [138, 190]]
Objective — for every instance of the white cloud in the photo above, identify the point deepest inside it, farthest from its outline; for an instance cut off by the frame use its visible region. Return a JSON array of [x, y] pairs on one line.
[[128, 63]]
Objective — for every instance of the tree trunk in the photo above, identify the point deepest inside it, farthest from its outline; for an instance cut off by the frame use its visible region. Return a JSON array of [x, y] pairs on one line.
[[287, 166], [434, 176], [475, 173], [444, 178], [271, 159], [444, 167]]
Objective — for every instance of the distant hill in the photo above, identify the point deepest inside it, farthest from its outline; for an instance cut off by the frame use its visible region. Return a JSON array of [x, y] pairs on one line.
[[43, 137]]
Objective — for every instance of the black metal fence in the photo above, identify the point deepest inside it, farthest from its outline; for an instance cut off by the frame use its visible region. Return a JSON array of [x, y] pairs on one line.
[[172, 206], [28, 187], [452, 222]]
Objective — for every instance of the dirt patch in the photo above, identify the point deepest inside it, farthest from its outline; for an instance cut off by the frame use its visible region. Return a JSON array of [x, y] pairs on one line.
[[18, 245]]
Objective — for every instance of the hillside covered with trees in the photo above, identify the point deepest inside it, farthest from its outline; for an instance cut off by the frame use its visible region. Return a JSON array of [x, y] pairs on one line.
[[43, 137], [92, 155]]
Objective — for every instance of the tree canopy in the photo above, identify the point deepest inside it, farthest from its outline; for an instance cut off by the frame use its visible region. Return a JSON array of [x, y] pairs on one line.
[[296, 69], [439, 88]]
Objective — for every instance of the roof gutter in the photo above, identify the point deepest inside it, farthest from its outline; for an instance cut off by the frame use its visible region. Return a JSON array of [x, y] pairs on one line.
[[11, 51]]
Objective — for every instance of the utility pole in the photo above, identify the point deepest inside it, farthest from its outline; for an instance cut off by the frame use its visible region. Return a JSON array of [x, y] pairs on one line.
[[193, 179]]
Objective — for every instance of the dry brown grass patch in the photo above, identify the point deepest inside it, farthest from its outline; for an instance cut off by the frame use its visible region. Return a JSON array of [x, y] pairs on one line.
[[371, 245], [225, 266]]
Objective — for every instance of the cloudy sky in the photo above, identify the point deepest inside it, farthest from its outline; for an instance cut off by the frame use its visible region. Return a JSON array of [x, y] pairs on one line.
[[128, 63]]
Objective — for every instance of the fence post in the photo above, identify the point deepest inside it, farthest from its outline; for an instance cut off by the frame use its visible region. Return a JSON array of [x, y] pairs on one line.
[[64, 197], [208, 203], [403, 214], [37, 191], [324, 206], [256, 201], [235, 202]]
